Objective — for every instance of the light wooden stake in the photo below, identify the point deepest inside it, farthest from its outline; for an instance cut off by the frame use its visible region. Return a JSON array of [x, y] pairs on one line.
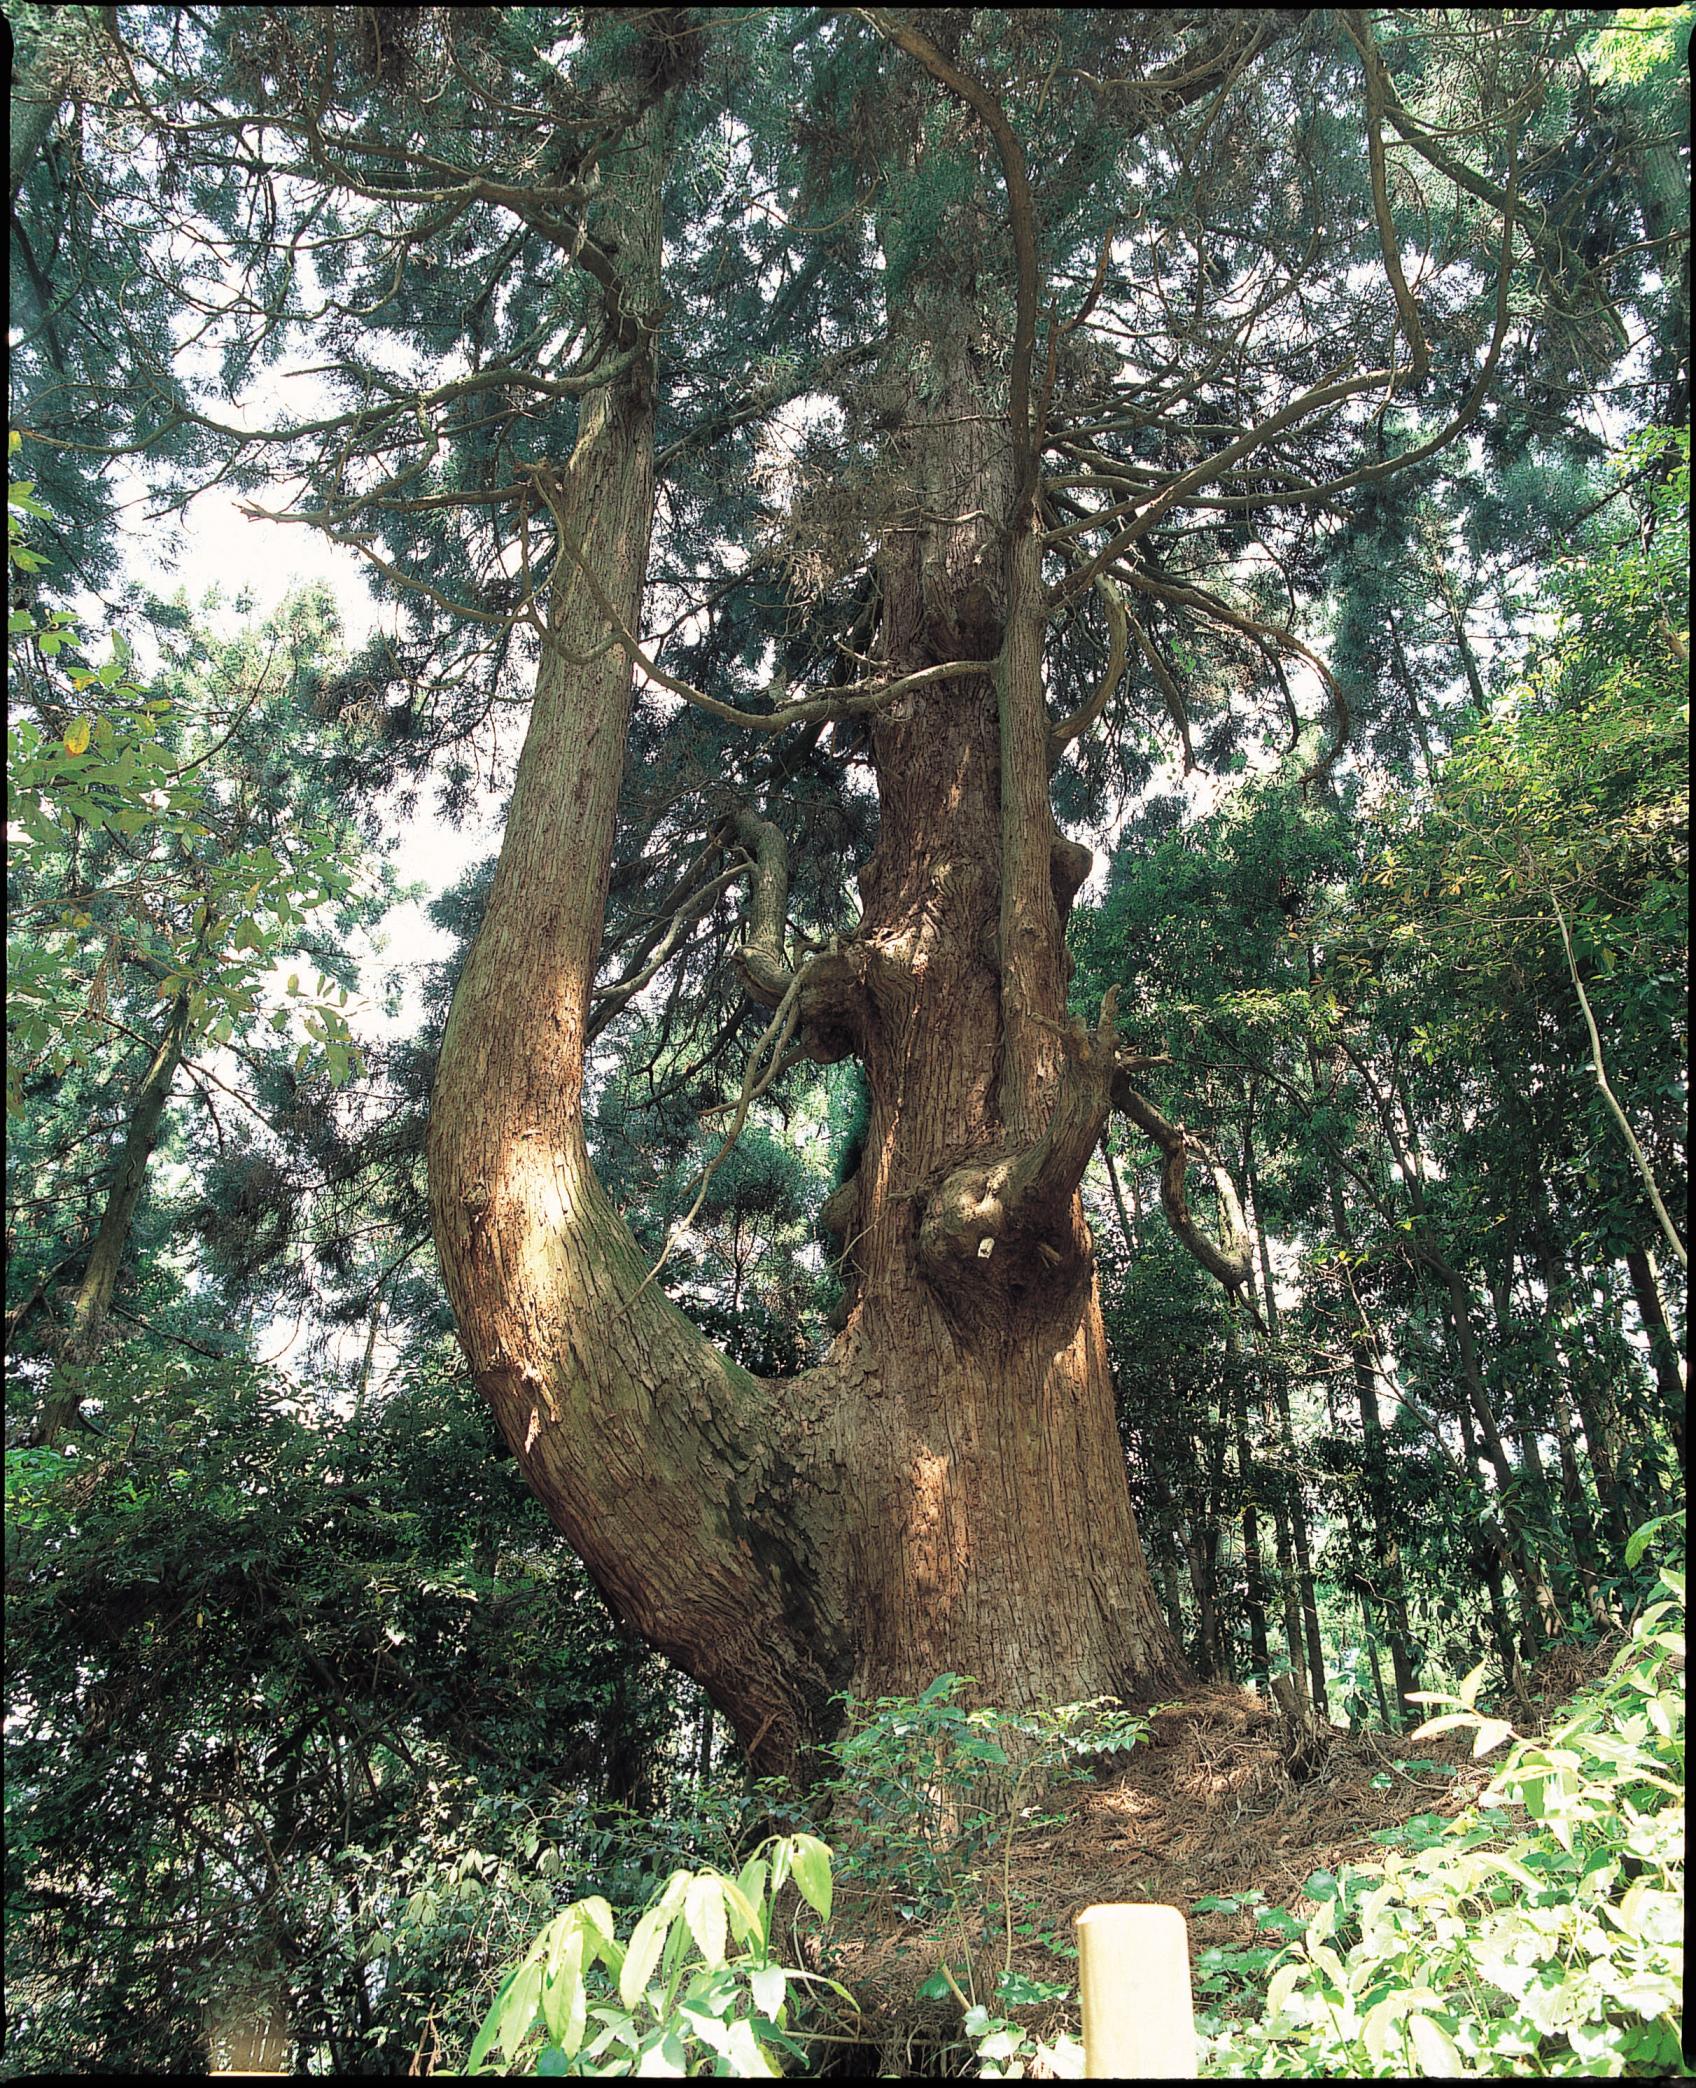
[[1134, 1977]]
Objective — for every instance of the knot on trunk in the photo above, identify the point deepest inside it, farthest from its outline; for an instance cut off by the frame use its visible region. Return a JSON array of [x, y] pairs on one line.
[[833, 1003], [1004, 1223]]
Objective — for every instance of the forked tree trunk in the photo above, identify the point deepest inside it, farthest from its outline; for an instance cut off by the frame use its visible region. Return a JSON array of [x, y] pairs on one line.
[[946, 1492]]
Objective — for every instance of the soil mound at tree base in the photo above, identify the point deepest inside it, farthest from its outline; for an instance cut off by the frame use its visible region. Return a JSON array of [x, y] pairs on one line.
[[1222, 1801]]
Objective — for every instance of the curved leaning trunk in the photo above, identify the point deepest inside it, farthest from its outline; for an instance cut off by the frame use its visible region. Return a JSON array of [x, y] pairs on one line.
[[946, 1491]]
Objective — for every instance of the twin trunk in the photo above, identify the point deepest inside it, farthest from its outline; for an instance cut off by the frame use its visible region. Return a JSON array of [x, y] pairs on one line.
[[946, 1491]]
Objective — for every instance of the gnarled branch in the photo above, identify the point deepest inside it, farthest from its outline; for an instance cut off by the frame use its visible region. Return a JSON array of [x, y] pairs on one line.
[[1067, 729], [762, 960], [1232, 1260]]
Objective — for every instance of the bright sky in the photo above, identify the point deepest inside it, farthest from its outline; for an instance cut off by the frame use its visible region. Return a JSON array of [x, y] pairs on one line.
[[225, 550], [237, 555]]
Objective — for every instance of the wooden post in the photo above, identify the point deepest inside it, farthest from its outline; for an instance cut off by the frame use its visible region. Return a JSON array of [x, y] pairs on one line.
[[1134, 1977]]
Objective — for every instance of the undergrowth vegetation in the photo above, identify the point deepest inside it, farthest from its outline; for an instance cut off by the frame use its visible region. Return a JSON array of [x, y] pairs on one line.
[[1537, 1931]]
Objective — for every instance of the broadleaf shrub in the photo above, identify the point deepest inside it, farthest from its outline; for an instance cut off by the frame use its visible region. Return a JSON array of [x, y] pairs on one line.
[[1538, 1932], [695, 1988]]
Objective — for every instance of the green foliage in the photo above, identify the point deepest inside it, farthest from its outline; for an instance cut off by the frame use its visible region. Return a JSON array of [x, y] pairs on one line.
[[1539, 1932], [1643, 44], [930, 1796], [926, 1797], [930, 1792], [697, 1987], [146, 834], [302, 1689]]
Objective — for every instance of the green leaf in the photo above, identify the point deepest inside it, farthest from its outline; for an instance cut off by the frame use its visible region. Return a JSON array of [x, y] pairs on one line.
[[664, 2058], [519, 2014], [597, 1916], [563, 1996], [1433, 2048], [704, 1911], [647, 1940], [747, 2054], [1281, 1986], [1446, 1723], [811, 1863]]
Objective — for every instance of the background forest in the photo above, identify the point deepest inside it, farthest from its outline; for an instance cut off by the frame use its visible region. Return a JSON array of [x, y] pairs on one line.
[[323, 1746]]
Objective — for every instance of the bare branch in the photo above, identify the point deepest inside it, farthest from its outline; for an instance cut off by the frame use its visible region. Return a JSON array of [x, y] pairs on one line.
[[1231, 1261]]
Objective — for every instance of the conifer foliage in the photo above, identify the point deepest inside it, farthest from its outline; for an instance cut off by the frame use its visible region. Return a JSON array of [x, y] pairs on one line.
[[1069, 1071]]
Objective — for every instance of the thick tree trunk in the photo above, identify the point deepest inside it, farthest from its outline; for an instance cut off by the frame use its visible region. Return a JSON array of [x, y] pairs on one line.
[[661, 1461], [987, 1526], [946, 1492]]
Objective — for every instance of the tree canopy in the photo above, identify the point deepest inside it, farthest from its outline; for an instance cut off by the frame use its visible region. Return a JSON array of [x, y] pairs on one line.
[[1069, 1082]]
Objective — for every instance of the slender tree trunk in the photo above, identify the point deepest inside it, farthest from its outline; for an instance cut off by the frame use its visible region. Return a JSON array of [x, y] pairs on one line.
[[1638, 1472], [1586, 1555], [1416, 717], [1293, 1516], [1254, 1591], [92, 1303], [1492, 1555], [1309, 1606], [947, 1490], [1593, 1413], [1254, 1575], [1201, 1547], [1520, 1556], [1127, 1225], [1389, 1593], [1201, 1552], [1390, 1723], [1290, 1603], [1670, 1376], [1172, 1535]]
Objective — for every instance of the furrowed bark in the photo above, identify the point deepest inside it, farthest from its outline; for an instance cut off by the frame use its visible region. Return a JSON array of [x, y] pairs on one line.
[[946, 1491], [989, 1519], [659, 1459]]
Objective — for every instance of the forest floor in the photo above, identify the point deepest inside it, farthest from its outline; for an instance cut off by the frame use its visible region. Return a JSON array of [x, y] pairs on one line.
[[1220, 1803]]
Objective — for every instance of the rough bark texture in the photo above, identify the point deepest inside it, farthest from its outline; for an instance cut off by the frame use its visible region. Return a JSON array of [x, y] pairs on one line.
[[657, 1457], [947, 1490]]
